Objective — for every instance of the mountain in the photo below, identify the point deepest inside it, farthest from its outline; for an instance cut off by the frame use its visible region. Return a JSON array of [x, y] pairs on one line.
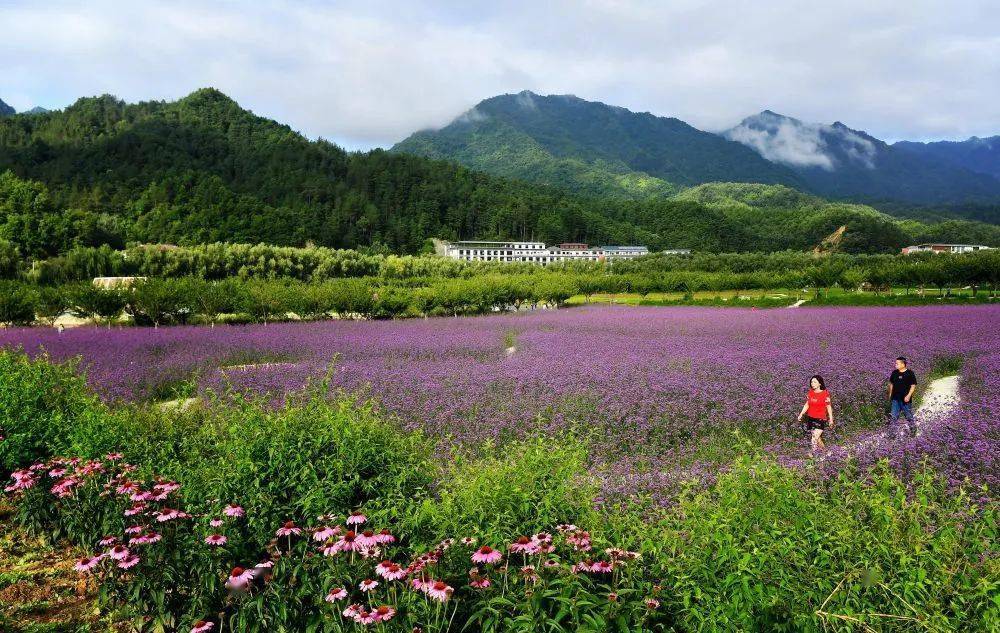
[[839, 162], [589, 147], [202, 169], [36, 110], [6, 110], [981, 155]]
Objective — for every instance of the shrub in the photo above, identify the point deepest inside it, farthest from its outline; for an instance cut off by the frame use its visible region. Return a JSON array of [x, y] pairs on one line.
[[17, 304]]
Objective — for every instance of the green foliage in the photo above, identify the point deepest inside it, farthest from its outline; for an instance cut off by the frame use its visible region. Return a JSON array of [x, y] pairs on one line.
[[40, 403], [90, 301], [17, 303]]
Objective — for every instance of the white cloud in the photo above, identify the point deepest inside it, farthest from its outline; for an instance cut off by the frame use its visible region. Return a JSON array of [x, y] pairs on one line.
[[799, 144], [369, 73]]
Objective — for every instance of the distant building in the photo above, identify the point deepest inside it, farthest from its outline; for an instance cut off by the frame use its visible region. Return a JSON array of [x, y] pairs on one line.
[[677, 251], [116, 282], [944, 248], [535, 252]]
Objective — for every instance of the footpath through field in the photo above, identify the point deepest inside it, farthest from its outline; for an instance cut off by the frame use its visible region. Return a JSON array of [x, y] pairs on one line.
[[939, 400]]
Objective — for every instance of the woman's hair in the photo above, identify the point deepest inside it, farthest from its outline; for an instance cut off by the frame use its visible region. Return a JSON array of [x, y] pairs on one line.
[[818, 378]]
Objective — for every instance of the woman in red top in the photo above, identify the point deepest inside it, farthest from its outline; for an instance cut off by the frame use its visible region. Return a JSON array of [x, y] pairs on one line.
[[818, 412]]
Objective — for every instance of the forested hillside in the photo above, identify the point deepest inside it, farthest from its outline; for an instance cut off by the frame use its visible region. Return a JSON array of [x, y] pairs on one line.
[[590, 147], [203, 170]]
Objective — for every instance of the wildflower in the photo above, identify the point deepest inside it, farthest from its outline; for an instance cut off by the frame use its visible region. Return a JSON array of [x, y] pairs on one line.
[[366, 539], [390, 571], [202, 626], [166, 486], [216, 539], [128, 562], [356, 518], [233, 510], [384, 613], [326, 533], [346, 543], [137, 508], [550, 563], [167, 514], [446, 543], [363, 616], [215, 522], [487, 555], [288, 529], [107, 540], [384, 537], [613, 597], [239, 578], [439, 591], [352, 610], [581, 566], [652, 603], [87, 563], [529, 572], [330, 548], [367, 585], [481, 582], [134, 529], [113, 457], [146, 538], [118, 552], [264, 564], [602, 567], [338, 593], [23, 479], [524, 545], [56, 473], [467, 541]]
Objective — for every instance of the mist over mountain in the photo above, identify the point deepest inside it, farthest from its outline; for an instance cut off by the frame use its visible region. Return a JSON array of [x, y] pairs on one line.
[[591, 147], [981, 155], [837, 161]]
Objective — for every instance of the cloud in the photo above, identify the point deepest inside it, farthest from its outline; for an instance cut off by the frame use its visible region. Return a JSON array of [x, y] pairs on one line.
[[799, 144], [368, 73]]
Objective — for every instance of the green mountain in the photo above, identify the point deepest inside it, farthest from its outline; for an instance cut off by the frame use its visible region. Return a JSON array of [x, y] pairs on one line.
[[981, 155], [590, 147], [6, 110], [838, 162], [202, 169]]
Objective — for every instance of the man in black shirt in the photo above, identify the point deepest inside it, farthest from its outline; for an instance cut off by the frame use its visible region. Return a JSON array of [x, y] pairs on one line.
[[902, 384]]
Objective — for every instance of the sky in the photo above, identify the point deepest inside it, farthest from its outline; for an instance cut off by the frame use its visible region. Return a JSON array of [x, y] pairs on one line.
[[367, 74]]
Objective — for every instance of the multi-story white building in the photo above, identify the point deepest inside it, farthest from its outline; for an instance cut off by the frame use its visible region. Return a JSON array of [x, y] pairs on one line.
[[535, 252], [944, 248]]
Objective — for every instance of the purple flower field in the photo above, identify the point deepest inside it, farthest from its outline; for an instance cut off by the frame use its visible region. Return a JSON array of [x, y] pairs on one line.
[[656, 391]]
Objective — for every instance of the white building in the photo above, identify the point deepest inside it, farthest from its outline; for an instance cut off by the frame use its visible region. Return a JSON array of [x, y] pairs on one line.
[[535, 252], [944, 248]]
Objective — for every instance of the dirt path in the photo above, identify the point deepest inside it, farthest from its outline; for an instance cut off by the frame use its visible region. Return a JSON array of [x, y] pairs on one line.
[[798, 303], [938, 400]]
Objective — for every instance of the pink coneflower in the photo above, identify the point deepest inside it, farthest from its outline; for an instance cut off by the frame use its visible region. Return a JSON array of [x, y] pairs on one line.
[[468, 541], [524, 545], [216, 540], [23, 480], [440, 591], [168, 514], [384, 613], [337, 593], [352, 611], [346, 543], [137, 508], [487, 555], [482, 582], [390, 570], [202, 626], [366, 539], [363, 616], [288, 529], [87, 563], [446, 544], [580, 540], [139, 496], [330, 548], [384, 537], [56, 473], [550, 563], [325, 533], [113, 457], [264, 564], [566, 527], [134, 529], [367, 585], [233, 510], [146, 539], [118, 552], [166, 486], [239, 578], [215, 522], [602, 567], [108, 540], [581, 566], [356, 518], [612, 597], [652, 603], [127, 487], [128, 562]]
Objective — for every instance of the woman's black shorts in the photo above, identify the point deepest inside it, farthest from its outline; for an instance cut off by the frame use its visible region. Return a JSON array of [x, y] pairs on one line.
[[815, 423]]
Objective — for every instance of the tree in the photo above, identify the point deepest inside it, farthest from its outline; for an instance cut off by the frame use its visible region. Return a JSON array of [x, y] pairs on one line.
[[159, 301], [89, 301], [17, 304], [51, 303]]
